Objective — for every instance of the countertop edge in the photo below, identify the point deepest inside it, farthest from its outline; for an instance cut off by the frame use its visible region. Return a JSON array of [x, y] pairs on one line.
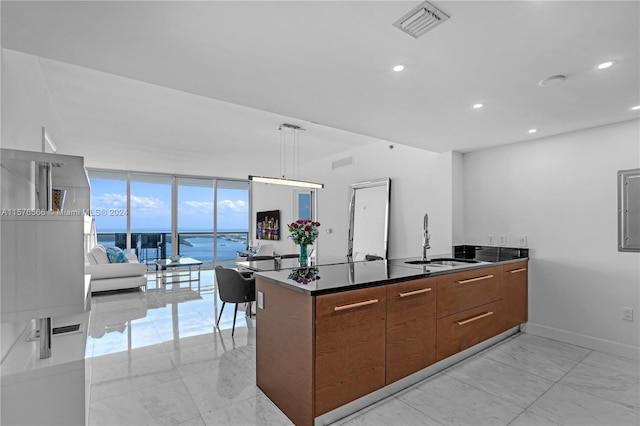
[[418, 275]]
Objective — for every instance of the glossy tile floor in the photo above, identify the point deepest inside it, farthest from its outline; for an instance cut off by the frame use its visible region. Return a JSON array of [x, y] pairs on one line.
[[157, 358]]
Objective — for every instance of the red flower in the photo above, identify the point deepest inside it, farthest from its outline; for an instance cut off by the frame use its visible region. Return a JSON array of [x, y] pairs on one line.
[[304, 231]]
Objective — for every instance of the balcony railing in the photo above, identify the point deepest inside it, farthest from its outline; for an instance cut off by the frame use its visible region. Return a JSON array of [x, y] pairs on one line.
[[149, 246]]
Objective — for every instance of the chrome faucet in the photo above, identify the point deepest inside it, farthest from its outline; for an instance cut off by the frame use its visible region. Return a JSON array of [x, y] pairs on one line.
[[425, 237]]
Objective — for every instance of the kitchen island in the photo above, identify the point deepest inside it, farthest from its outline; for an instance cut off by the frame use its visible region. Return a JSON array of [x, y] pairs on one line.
[[332, 339]]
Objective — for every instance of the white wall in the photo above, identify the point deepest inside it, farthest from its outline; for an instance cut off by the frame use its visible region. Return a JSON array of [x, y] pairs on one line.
[[458, 198], [421, 182], [560, 192], [274, 197], [26, 103]]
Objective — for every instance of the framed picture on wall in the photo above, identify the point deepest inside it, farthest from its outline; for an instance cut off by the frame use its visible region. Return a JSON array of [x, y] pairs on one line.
[[268, 225]]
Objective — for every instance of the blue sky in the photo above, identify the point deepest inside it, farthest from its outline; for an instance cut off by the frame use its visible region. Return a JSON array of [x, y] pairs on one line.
[[151, 207]]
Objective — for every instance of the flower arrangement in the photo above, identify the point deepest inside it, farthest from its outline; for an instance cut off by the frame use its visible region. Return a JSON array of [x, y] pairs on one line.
[[304, 275], [304, 231]]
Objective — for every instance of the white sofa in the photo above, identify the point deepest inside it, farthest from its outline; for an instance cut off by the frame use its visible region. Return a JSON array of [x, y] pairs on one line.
[[107, 276]]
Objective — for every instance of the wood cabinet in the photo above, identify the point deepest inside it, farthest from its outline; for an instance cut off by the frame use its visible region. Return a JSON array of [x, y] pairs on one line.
[[469, 309], [514, 288], [411, 327], [316, 353], [464, 329], [465, 290], [284, 350], [350, 346]]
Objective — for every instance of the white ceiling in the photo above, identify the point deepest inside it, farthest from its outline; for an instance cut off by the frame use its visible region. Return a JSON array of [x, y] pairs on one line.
[[327, 64]]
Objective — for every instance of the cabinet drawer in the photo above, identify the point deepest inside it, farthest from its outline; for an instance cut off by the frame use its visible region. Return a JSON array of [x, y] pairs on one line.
[[464, 290], [350, 346], [411, 327], [465, 329], [515, 293]]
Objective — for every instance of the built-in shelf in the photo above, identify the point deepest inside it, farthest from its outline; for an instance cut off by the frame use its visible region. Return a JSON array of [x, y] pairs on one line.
[[67, 170], [50, 391], [42, 276], [23, 363], [42, 266]]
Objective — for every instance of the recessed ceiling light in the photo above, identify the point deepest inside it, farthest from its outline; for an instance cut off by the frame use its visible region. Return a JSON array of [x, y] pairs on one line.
[[533, 130], [605, 65], [635, 108], [477, 106], [399, 68], [550, 81]]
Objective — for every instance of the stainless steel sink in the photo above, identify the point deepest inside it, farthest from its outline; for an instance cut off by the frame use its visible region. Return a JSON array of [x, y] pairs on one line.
[[444, 261]]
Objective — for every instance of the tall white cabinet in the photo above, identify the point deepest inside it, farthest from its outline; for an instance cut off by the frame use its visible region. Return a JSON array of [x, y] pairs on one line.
[[42, 267], [42, 276]]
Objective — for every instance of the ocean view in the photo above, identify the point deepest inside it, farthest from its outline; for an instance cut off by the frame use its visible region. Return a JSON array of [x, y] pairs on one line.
[[198, 245]]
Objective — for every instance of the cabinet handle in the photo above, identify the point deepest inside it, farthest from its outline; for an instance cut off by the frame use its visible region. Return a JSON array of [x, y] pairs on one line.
[[467, 321], [411, 293], [485, 277], [355, 305], [518, 270]]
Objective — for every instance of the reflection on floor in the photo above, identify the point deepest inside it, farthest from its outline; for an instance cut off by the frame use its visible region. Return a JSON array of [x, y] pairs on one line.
[[157, 358]]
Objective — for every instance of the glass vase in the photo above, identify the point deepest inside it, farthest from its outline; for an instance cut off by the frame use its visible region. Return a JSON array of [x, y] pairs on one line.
[[304, 254]]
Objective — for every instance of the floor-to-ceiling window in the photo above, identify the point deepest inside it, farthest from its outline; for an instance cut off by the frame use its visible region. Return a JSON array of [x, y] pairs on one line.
[[159, 209], [150, 211], [232, 219], [109, 207], [195, 218]]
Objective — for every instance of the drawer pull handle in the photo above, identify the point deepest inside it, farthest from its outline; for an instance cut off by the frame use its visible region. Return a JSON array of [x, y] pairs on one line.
[[485, 277], [411, 293], [518, 270], [467, 321], [355, 305]]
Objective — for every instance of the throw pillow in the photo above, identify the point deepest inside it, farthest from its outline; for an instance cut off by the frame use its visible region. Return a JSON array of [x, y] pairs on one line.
[[100, 255], [116, 255], [91, 259]]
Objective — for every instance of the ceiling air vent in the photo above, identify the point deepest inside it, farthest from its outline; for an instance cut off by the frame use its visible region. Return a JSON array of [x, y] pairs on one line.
[[342, 162], [421, 19]]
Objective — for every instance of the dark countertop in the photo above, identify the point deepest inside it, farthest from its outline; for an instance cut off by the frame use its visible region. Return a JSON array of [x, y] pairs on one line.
[[285, 263], [337, 277]]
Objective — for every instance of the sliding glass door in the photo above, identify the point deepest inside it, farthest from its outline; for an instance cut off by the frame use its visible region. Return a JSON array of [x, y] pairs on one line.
[[232, 220], [150, 211], [195, 219], [109, 207], [208, 218]]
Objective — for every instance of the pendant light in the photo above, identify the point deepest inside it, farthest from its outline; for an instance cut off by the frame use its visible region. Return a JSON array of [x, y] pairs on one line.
[[294, 132]]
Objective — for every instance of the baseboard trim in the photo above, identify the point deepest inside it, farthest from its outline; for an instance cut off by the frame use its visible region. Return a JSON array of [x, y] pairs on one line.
[[589, 342]]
